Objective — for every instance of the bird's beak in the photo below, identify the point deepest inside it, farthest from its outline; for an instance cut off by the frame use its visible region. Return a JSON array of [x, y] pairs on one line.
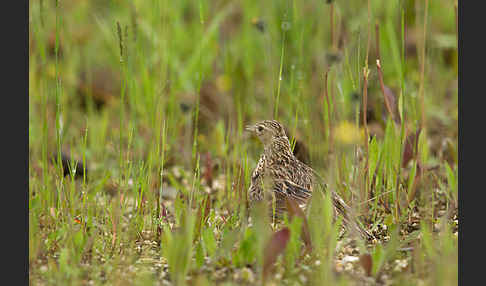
[[250, 128]]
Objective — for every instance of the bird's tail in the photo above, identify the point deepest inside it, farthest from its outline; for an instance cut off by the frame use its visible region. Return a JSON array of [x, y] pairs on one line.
[[341, 208], [349, 219]]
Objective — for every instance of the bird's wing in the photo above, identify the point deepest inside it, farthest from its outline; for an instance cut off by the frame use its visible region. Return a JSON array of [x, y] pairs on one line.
[[292, 190]]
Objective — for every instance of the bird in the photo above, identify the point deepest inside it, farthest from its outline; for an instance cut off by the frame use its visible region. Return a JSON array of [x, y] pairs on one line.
[[286, 176]]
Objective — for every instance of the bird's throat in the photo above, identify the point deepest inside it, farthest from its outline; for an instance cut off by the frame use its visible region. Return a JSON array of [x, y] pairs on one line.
[[278, 147]]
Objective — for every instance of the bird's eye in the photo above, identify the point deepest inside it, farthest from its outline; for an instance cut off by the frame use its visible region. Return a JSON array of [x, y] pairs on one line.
[[260, 128]]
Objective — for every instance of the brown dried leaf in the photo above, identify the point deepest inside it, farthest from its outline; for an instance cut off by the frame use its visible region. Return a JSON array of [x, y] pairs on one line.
[[411, 144], [366, 262], [164, 214], [274, 247], [294, 210], [418, 177], [391, 100], [208, 172]]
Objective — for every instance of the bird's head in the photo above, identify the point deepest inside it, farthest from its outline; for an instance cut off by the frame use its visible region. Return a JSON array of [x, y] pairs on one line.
[[267, 131]]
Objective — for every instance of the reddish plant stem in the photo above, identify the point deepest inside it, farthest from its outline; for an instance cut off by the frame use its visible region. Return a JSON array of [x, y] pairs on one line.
[[365, 124]]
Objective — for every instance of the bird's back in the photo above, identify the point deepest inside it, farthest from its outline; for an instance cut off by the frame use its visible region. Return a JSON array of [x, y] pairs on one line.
[[282, 176]]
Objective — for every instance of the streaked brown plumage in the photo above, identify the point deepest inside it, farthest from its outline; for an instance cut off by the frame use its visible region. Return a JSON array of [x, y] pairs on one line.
[[280, 171]]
